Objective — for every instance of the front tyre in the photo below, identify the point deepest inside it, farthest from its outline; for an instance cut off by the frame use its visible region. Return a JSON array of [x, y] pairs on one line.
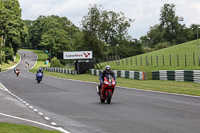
[[38, 81], [109, 96]]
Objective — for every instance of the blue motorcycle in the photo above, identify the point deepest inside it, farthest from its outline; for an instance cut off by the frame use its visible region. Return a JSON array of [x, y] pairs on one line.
[[39, 77]]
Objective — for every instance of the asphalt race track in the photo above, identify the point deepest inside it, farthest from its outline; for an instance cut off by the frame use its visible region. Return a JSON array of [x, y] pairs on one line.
[[75, 106]]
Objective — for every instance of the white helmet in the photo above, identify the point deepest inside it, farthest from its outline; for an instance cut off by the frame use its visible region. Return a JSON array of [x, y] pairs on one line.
[[107, 68]]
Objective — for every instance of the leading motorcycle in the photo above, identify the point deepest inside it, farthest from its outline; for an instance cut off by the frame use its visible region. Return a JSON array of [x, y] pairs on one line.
[[39, 77], [107, 89]]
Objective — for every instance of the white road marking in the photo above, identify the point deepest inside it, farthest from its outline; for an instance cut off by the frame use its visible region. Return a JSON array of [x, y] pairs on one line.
[[2, 87], [47, 118], [35, 110], [35, 122], [31, 107], [53, 123], [40, 113]]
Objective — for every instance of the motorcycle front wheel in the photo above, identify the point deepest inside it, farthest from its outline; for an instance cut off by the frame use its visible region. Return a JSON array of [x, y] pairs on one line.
[[109, 96]]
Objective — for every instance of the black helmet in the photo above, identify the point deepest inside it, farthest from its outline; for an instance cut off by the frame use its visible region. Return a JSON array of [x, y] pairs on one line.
[[107, 68]]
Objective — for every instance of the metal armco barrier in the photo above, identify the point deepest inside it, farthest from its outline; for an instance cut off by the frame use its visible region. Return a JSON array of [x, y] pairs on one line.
[[140, 75], [177, 75], [61, 70]]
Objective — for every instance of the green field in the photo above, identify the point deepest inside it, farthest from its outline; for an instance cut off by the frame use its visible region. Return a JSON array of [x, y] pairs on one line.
[[14, 128], [186, 49]]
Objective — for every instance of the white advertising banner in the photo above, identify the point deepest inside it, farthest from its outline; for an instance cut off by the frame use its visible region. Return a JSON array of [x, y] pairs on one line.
[[78, 55]]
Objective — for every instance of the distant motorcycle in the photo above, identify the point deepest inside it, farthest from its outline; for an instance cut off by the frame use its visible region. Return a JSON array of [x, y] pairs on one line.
[[107, 89], [39, 77], [17, 72]]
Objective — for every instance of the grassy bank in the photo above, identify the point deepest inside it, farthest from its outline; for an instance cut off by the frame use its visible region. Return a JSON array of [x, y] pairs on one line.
[[14, 128], [10, 63], [155, 59]]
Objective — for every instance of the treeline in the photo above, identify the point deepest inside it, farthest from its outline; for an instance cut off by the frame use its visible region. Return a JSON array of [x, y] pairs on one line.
[[101, 31], [170, 31], [12, 29]]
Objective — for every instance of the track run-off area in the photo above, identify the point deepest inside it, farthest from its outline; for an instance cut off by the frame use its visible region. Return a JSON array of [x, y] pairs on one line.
[[76, 108]]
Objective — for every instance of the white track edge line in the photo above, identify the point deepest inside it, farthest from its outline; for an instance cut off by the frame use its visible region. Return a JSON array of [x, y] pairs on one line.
[[4, 88], [31, 107], [35, 62], [35, 122], [160, 92]]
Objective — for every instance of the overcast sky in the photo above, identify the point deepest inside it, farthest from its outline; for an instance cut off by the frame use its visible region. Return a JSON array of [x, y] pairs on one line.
[[145, 12]]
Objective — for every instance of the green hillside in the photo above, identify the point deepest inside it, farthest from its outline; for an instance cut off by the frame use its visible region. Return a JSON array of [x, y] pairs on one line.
[[155, 58]]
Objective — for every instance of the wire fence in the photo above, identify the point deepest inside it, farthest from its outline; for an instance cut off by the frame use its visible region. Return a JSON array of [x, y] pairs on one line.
[[187, 59]]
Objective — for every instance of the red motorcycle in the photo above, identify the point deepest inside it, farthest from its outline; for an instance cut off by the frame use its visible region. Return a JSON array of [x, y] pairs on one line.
[[107, 89], [17, 72]]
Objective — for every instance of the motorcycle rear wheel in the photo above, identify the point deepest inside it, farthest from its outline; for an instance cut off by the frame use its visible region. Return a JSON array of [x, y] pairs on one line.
[[102, 100]]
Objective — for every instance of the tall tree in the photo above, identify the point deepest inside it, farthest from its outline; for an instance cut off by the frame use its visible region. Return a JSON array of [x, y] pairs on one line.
[[193, 29], [104, 26], [12, 29], [170, 23], [156, 35], [56, 40]]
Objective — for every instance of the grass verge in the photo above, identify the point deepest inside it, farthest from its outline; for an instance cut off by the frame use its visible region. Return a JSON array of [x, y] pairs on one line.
[[14, 128], [10, 63], [188, 88], [160, 59]]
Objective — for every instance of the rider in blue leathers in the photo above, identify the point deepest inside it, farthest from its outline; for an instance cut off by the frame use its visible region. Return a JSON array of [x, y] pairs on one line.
[[39, 71]]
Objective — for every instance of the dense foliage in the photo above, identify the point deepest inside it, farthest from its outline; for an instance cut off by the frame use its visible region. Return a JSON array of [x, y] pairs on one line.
[[52, 33], [12, 29]]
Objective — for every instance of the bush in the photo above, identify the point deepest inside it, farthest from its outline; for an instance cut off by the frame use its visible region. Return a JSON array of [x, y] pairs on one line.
[[2, 57], [9, 54], [56, 63], [162, 45]]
